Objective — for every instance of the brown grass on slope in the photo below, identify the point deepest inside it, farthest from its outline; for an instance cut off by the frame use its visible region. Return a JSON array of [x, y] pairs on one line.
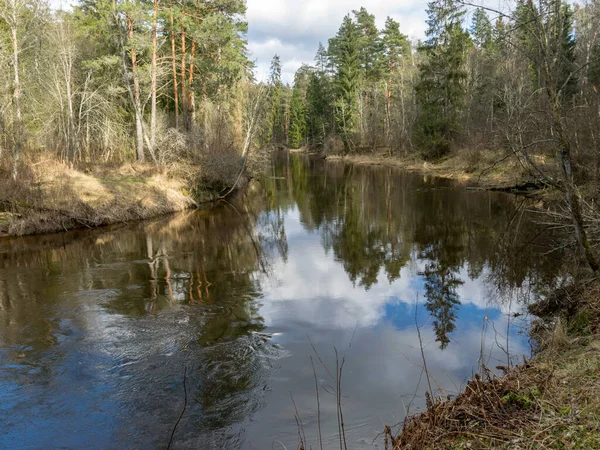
[[550, 402], [52, 196]]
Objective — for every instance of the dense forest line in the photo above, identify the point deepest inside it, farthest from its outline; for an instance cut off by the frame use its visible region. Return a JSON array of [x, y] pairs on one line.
[[88, 91], [481, 77], [113, 80], [519, 85], [171, 83], [117, 80]]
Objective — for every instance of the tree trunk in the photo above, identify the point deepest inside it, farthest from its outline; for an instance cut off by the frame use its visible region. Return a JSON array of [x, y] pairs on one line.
[[139, 126], [388, 102], [153, 78], [184, 111], [191, 101], [174, 68], [575, 210], [16, 95]]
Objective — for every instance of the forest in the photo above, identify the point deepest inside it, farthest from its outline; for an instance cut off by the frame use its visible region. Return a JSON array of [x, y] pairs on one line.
[[117, 111], [172, 84]]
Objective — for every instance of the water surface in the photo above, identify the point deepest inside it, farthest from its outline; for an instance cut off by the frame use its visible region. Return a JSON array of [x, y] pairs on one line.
[[98, 328]]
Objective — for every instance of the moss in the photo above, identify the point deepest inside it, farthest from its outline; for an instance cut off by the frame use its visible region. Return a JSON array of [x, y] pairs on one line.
[[512, 399], [580, 323]]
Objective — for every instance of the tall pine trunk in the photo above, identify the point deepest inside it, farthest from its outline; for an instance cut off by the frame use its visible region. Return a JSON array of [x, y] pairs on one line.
[[16, 94], [174, 68], [184, 111], [153, 77], [191, 100]]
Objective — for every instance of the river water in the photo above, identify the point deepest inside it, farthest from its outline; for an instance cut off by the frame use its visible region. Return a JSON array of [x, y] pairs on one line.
[[101, 330]]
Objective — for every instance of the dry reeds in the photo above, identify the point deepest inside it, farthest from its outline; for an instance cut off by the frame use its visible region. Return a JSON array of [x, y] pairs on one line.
[[552, 401], [489, 412]]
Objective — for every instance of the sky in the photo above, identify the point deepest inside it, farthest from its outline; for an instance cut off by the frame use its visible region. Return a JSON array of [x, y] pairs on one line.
[[293, 28]]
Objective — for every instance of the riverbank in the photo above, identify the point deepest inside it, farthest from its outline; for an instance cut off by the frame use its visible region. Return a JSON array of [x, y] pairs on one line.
[[483, 170], [552, 401], [51, 196]]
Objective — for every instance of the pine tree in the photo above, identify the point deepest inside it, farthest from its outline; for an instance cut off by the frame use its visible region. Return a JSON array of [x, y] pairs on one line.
[[499, 37], [316, 108], [562, 46], [441, 90], [396, 47], [546, 38], [441, 298], [321, 59], [369, 45]]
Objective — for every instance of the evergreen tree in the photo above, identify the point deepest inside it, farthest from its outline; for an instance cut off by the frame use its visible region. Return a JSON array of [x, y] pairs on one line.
[[316, 108], [369, 45], [562, 46], [546, 37], [441, 89], [345, 55], [442, 300], [396, 45], [297, 127], [275, 132], [499, 37], [481, 29], [321, 59]]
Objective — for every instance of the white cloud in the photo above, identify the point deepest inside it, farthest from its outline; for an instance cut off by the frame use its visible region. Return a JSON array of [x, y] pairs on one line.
[[313, 287], [293, 29]]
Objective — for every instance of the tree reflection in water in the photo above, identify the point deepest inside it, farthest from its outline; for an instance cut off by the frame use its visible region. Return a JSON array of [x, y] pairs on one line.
[[380, 220], [120, 312]]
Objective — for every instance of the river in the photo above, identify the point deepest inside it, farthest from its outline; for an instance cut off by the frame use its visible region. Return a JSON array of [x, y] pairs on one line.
[[101, 330]]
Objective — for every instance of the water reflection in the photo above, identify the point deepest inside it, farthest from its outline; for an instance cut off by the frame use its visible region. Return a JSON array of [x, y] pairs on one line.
[[97, 327]]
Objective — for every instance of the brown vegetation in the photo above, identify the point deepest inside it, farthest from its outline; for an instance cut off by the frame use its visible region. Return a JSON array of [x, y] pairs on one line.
[[552, 401], [51, 195], [480, 169]]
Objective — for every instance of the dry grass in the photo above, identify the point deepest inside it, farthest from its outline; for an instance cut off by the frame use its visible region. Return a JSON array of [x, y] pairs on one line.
[[52, 196], [550, 402], [480, 168]]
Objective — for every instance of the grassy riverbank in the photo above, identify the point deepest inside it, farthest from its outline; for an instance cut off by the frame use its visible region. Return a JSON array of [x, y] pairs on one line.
[[550, 402], [50, 196], [486, 170]]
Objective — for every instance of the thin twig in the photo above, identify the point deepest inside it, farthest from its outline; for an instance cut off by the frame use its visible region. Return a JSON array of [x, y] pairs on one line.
[[318, 403], [185, 401], [299, 423]]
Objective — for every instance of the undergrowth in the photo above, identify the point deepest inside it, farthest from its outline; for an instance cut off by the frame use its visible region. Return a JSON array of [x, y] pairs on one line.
[[549, 402], [50, 195]]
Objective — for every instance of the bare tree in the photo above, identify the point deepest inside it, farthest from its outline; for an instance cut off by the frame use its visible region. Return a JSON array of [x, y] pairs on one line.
[[11, 12]]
